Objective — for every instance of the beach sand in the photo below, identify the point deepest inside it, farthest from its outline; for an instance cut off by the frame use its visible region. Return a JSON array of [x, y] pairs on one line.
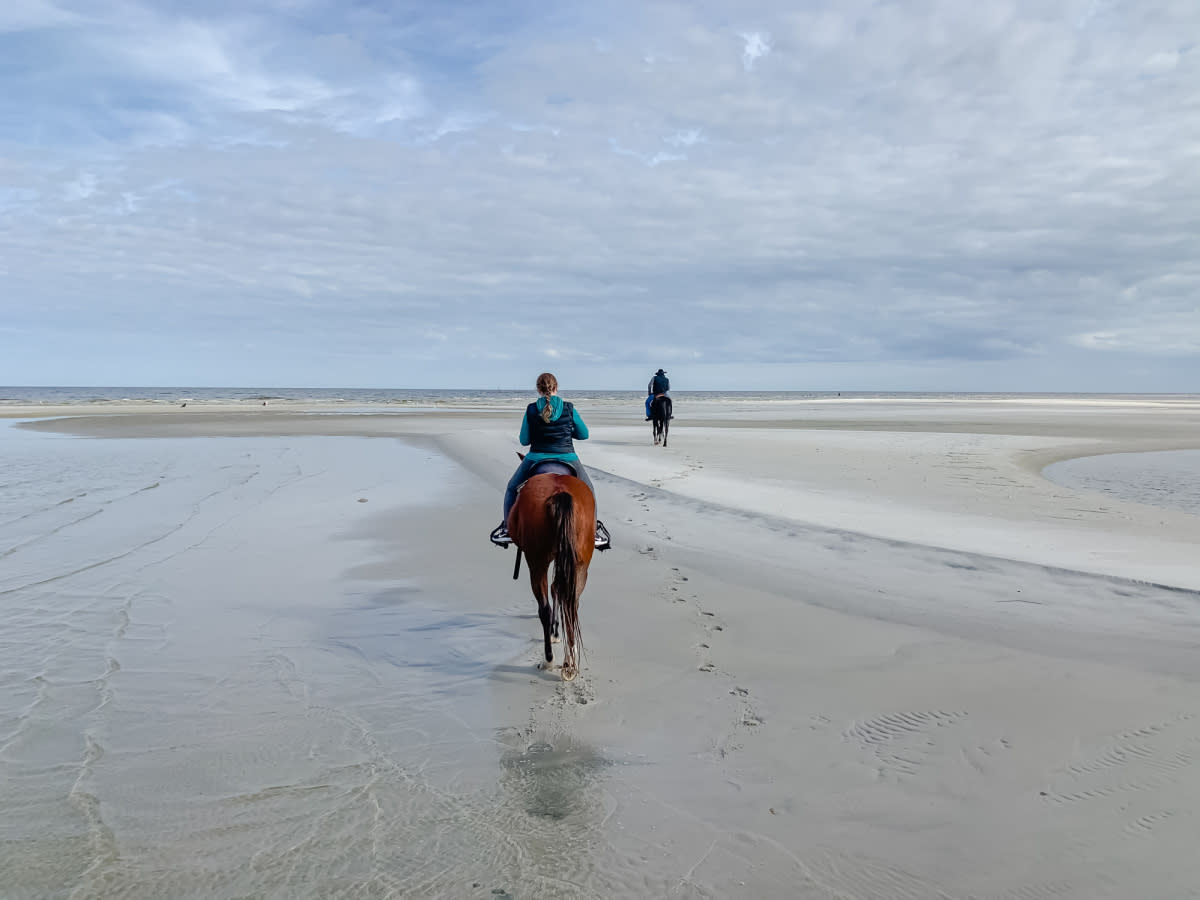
[[839, 650]]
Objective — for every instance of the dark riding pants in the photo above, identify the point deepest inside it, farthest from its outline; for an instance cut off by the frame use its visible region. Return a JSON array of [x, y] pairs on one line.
[[525, 472]]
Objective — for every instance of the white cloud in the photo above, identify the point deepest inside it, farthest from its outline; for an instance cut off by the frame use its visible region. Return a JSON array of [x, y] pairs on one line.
[[757, 46], [1156, 341], [687, 138], [220, 62], [1161, 63], [81, 187], [662, 157], [650, 159]]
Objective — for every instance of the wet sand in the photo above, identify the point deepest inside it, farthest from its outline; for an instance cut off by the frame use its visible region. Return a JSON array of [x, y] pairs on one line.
[[839, 650]]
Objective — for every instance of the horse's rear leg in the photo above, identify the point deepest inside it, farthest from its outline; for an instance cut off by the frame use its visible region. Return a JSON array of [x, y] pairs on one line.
[[541, 590]]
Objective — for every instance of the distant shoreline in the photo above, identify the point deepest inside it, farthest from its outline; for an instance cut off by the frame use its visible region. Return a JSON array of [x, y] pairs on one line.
[[21, 402]]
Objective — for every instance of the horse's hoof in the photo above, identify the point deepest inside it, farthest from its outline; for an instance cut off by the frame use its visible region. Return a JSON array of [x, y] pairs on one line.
[[569, 673], [555, 640], [545, 665]]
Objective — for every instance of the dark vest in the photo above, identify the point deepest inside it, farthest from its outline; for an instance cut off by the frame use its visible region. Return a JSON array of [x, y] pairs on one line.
[[551, 437]]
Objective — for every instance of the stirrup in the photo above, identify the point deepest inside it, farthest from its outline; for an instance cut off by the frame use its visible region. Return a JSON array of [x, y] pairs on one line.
[[603, 541], [500, 536]]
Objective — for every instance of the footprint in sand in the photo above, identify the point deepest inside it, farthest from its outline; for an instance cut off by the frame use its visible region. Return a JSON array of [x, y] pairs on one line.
[[672, 589], [747, 717]]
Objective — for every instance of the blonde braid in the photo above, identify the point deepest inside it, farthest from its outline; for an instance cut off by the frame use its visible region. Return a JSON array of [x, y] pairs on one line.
[[547, 384]]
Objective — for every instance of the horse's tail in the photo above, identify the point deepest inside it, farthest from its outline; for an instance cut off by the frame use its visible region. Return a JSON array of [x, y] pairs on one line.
[[562, 515]]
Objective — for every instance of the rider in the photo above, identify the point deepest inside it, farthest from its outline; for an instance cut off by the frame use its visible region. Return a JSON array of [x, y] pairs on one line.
[[658, 386], [547, 429]]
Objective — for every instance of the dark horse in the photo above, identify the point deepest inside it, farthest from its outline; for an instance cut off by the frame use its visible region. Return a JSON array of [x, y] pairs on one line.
[[660, 417], [554, 521]]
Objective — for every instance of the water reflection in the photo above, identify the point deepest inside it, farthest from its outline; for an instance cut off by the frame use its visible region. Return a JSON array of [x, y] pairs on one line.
[[555, 780], [552, 805]]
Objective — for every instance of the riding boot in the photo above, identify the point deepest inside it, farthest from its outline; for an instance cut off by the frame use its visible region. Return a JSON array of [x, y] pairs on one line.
[[500, 536], [603, 541]]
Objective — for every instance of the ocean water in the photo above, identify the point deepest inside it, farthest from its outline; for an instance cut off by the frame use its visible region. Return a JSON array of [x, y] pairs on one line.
[[339, 398], [1169, 478]]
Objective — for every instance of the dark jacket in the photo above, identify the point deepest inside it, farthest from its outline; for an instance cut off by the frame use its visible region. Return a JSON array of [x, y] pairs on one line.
[[553, 436], [659, 384]]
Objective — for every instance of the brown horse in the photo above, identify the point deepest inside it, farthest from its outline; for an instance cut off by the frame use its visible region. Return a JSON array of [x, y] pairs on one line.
[[554, 521]]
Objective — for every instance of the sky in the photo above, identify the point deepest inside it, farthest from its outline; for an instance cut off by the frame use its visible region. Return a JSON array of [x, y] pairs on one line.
[[756, 195]]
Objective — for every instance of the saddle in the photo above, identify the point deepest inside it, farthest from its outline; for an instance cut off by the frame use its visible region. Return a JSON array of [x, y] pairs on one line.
[[500, 537], [551, 467]]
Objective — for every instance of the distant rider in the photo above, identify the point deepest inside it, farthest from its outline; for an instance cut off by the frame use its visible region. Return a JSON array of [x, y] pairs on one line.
[[658, 386]]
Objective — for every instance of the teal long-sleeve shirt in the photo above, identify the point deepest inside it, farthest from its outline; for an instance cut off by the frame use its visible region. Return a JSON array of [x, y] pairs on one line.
[[579, 431]]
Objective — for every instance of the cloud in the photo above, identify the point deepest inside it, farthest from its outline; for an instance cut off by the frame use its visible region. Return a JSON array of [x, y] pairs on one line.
[[82, 187], [757, 46], [219, 62], [1162, 62], [923, 192], [688, 138]]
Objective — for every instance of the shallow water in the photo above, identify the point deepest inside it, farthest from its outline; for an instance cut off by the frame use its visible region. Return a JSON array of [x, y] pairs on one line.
[[1169, 478], [209, 688]]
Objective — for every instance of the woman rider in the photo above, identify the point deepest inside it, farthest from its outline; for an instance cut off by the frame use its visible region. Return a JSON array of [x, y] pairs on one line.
[[547, 429]]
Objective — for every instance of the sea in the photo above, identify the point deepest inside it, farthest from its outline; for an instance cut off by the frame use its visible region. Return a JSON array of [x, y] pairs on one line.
[[341, 398]]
